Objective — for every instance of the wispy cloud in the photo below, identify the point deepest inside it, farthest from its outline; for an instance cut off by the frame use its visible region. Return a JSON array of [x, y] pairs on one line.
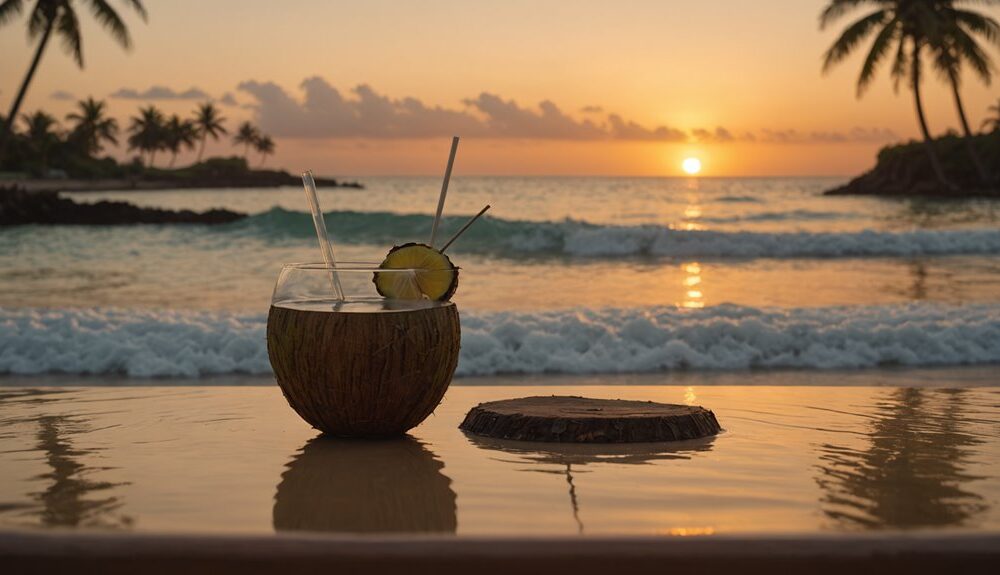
[[854, 135], [228, 99], [718, 135], [323, 111], [62, 95], [160, 93]]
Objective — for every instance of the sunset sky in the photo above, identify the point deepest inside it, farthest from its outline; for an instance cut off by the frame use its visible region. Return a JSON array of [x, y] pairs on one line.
[[534, 87]]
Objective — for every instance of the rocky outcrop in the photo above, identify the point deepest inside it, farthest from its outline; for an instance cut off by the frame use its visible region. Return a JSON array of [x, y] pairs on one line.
[[19, 206], [904, 170]]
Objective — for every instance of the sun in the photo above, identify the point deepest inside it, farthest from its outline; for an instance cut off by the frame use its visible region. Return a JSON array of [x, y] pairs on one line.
[[691, 166]]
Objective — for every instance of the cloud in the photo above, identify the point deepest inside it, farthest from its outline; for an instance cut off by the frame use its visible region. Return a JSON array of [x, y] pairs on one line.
[[62, 95], [160, 93], [228, 99], [854, 135], [506, 119], [323, 112], [719, 135], [627, 130]]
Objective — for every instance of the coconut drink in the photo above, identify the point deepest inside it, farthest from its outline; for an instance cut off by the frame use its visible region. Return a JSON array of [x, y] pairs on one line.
[[372, 364], [366, 349]]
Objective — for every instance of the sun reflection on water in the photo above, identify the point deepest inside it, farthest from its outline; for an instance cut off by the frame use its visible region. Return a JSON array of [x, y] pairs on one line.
[[693, 298], [687, 531]]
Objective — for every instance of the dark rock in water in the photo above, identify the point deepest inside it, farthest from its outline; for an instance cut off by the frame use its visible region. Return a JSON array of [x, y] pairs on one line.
[[19, 206], [904, 170]]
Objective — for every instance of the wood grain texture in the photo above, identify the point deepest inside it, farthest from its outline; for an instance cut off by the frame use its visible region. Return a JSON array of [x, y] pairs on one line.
[[583, 420], [364, 374]]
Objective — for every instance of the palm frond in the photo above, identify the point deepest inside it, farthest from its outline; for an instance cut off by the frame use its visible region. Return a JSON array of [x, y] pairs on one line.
[[968, 50], [139, 8], [108, 17], [851, 37], [879, 47], [984, 26], [899, 65], [837, 9], [41, 17], [10, 9], [68, 28]]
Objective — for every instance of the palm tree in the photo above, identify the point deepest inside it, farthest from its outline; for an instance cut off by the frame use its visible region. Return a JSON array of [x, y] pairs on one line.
[[179, 134], [953, 42], [992, 124], [60, 17], [92, 126], [40, 135], [265, 146], [247, 135], [208, 122], [147, 132], [900, 26]]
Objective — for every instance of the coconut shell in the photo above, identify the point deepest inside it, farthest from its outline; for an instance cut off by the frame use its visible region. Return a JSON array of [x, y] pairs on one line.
[[364, 374]]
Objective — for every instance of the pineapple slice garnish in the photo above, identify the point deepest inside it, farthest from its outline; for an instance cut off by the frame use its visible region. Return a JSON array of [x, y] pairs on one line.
[[434, 277]]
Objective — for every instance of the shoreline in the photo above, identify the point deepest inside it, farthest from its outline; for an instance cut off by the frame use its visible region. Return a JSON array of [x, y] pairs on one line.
[[966, 376], [140, 185], [902, 170]]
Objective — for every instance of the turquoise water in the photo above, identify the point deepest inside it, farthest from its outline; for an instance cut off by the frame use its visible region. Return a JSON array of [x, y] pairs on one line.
[[564, 275]]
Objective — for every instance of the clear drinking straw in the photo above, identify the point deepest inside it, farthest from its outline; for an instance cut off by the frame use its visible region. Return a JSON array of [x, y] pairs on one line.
[[444, 189], [324, 239]]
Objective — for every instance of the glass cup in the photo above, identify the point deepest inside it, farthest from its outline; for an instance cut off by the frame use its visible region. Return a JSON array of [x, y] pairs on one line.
[[364, 365]]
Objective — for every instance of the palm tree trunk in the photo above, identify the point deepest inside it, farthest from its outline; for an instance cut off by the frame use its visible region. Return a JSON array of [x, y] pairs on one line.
[[173, 159], [246, 153], [201, 149], [16, 106], [970, 145], [928, 141]]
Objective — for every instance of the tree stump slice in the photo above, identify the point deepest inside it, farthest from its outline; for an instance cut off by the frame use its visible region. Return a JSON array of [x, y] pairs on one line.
[[563, 419]]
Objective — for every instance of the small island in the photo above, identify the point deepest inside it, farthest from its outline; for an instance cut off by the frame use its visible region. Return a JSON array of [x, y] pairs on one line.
[[212, 173], [904, 170], [38, 154]]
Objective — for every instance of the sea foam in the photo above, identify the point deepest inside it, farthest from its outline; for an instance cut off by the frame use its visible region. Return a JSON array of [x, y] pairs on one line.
[[141, 343]]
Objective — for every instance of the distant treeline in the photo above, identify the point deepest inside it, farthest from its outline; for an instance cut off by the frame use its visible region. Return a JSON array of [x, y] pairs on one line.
[[40, 146]]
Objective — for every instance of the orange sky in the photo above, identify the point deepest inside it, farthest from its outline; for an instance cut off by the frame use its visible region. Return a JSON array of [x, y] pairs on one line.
[[752, 68]]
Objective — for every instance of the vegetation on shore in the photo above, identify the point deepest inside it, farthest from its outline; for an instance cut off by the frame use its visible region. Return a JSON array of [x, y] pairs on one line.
[[909, 31], [45, 150], [48, 18], [903, 169], [42, 148]]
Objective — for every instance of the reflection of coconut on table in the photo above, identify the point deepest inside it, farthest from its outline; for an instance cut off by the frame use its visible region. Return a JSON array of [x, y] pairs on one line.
[[345, 486]]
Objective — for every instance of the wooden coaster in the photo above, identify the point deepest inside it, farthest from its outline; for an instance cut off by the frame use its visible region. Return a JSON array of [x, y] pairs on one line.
[[582, 420]]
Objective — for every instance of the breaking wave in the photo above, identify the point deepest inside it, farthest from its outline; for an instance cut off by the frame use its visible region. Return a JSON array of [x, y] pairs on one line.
[[142, 343], [572, 238]]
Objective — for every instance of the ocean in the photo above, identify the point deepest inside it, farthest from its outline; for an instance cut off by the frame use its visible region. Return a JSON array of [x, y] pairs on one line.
[[563, 276]]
